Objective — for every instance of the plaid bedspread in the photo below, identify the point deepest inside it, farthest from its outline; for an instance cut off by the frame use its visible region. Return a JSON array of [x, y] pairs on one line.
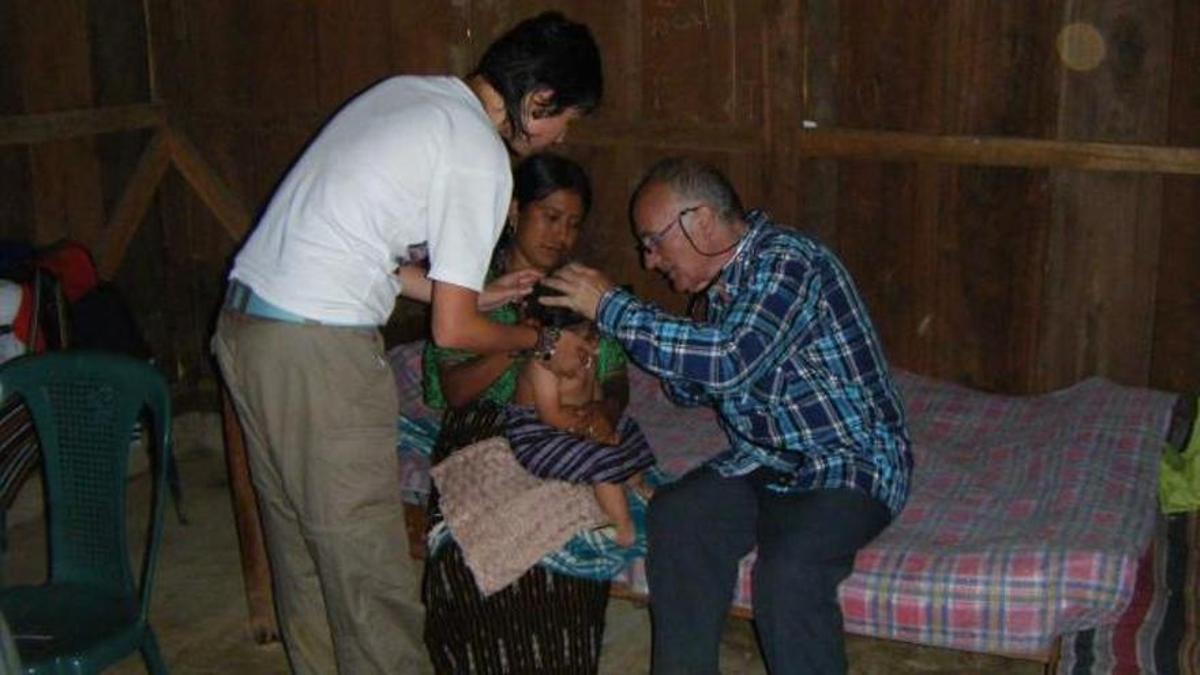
[[1027, 518]]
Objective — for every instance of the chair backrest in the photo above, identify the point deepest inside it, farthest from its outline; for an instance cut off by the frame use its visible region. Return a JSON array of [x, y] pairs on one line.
[[19, 453], [85, 406]]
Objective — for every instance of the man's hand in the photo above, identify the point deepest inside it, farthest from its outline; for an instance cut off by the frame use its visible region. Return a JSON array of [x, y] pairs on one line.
[[581, 288], [505, 289]]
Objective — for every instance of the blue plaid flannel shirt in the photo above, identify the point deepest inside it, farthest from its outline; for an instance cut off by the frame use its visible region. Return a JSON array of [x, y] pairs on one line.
[[789, 359]]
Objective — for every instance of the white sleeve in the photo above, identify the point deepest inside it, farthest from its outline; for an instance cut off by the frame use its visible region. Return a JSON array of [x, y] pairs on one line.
[[467, 208]]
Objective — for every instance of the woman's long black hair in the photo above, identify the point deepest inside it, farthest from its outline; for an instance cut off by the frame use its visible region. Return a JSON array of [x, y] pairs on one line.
[[538, 176], [541, 174]]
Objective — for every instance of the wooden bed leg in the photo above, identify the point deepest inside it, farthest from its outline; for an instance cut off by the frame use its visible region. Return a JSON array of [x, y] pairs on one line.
[[1051, 666], [416, 523], [256, 568]]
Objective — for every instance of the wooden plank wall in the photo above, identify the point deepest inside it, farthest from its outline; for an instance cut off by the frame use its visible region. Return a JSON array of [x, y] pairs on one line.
[[948, 256], [1174, 356], [1013, 275], [66, 57]]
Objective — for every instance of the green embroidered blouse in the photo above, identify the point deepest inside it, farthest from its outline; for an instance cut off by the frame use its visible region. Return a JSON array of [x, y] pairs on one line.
[[610, 361]]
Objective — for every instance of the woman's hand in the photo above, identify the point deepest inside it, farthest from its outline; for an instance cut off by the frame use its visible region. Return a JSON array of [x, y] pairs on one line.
[[599, 428], [505, 289], [415, 285]]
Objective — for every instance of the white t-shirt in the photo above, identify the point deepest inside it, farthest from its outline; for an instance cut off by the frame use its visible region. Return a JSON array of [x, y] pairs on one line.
[[411, 161]]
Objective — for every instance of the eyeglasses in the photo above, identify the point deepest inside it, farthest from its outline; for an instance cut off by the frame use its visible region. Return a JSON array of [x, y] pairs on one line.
[[650, 242]]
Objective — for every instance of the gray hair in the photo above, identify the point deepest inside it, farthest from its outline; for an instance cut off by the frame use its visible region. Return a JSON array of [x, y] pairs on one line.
[[694, 180]]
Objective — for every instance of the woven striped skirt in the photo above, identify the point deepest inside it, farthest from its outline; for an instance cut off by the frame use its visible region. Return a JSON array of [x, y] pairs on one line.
[[548, 452]]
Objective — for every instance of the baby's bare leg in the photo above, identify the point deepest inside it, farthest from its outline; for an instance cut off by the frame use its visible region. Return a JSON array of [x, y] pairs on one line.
[[611, 497]]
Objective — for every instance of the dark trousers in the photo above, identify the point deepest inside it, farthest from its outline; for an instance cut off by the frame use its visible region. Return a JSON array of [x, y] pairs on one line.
[[702, 525]]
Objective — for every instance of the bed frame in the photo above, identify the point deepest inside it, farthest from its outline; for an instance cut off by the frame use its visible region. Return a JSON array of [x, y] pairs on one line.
[[256, 569]]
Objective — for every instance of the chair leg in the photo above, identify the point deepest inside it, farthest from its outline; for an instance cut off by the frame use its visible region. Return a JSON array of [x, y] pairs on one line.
[[4, 545], [151, 654], [176, 486]]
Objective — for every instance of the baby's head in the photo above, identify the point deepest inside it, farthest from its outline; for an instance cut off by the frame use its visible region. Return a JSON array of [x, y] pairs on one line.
[[560, 317], [587, 331]]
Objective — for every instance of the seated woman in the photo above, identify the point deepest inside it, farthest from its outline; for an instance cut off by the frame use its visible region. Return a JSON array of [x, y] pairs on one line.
[[552, 197], [594, 451], [546, 621]]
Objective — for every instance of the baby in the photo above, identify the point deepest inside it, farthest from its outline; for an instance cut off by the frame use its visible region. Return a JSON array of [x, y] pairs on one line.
[[595, 451]]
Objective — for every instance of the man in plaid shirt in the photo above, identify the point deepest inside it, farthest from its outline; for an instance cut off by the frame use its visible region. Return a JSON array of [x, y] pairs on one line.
[[819, 458]]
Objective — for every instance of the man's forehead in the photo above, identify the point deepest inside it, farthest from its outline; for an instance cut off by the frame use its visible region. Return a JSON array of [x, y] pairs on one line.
[[654, 203]]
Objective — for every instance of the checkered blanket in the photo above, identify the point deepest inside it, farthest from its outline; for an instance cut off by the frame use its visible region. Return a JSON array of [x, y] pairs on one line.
[[1027, 518]]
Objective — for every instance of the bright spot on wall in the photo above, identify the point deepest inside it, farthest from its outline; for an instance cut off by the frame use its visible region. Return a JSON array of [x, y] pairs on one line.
[[1080, 46]]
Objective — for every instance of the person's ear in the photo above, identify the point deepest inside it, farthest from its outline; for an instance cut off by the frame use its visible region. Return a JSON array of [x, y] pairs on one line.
[[539, 103], [707, 225], [513, 215]]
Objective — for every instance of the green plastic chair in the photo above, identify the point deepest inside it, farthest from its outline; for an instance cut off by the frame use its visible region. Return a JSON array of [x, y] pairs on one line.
[[84, 406]]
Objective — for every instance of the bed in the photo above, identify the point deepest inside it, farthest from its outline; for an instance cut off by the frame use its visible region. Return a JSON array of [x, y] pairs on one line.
[[1027, 521]]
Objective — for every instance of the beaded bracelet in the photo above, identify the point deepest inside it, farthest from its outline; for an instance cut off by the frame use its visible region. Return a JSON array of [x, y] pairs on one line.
[[546, 343], [543, 349]]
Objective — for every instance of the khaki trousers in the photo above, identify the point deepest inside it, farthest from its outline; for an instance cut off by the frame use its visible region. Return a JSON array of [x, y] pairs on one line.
[[318, 407]]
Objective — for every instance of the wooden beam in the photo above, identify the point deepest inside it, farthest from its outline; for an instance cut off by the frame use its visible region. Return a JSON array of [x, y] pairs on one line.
[[997, 151], [131, 209], [212, 190], [828, 143], [66, 124], [715, 138]]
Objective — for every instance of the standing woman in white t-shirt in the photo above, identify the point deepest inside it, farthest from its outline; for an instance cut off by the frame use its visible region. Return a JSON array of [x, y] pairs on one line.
[[414, 168]]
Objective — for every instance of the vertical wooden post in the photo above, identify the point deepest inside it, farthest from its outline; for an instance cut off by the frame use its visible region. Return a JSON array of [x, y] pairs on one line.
[[256, 568], [1175, 363], [815, 185]]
